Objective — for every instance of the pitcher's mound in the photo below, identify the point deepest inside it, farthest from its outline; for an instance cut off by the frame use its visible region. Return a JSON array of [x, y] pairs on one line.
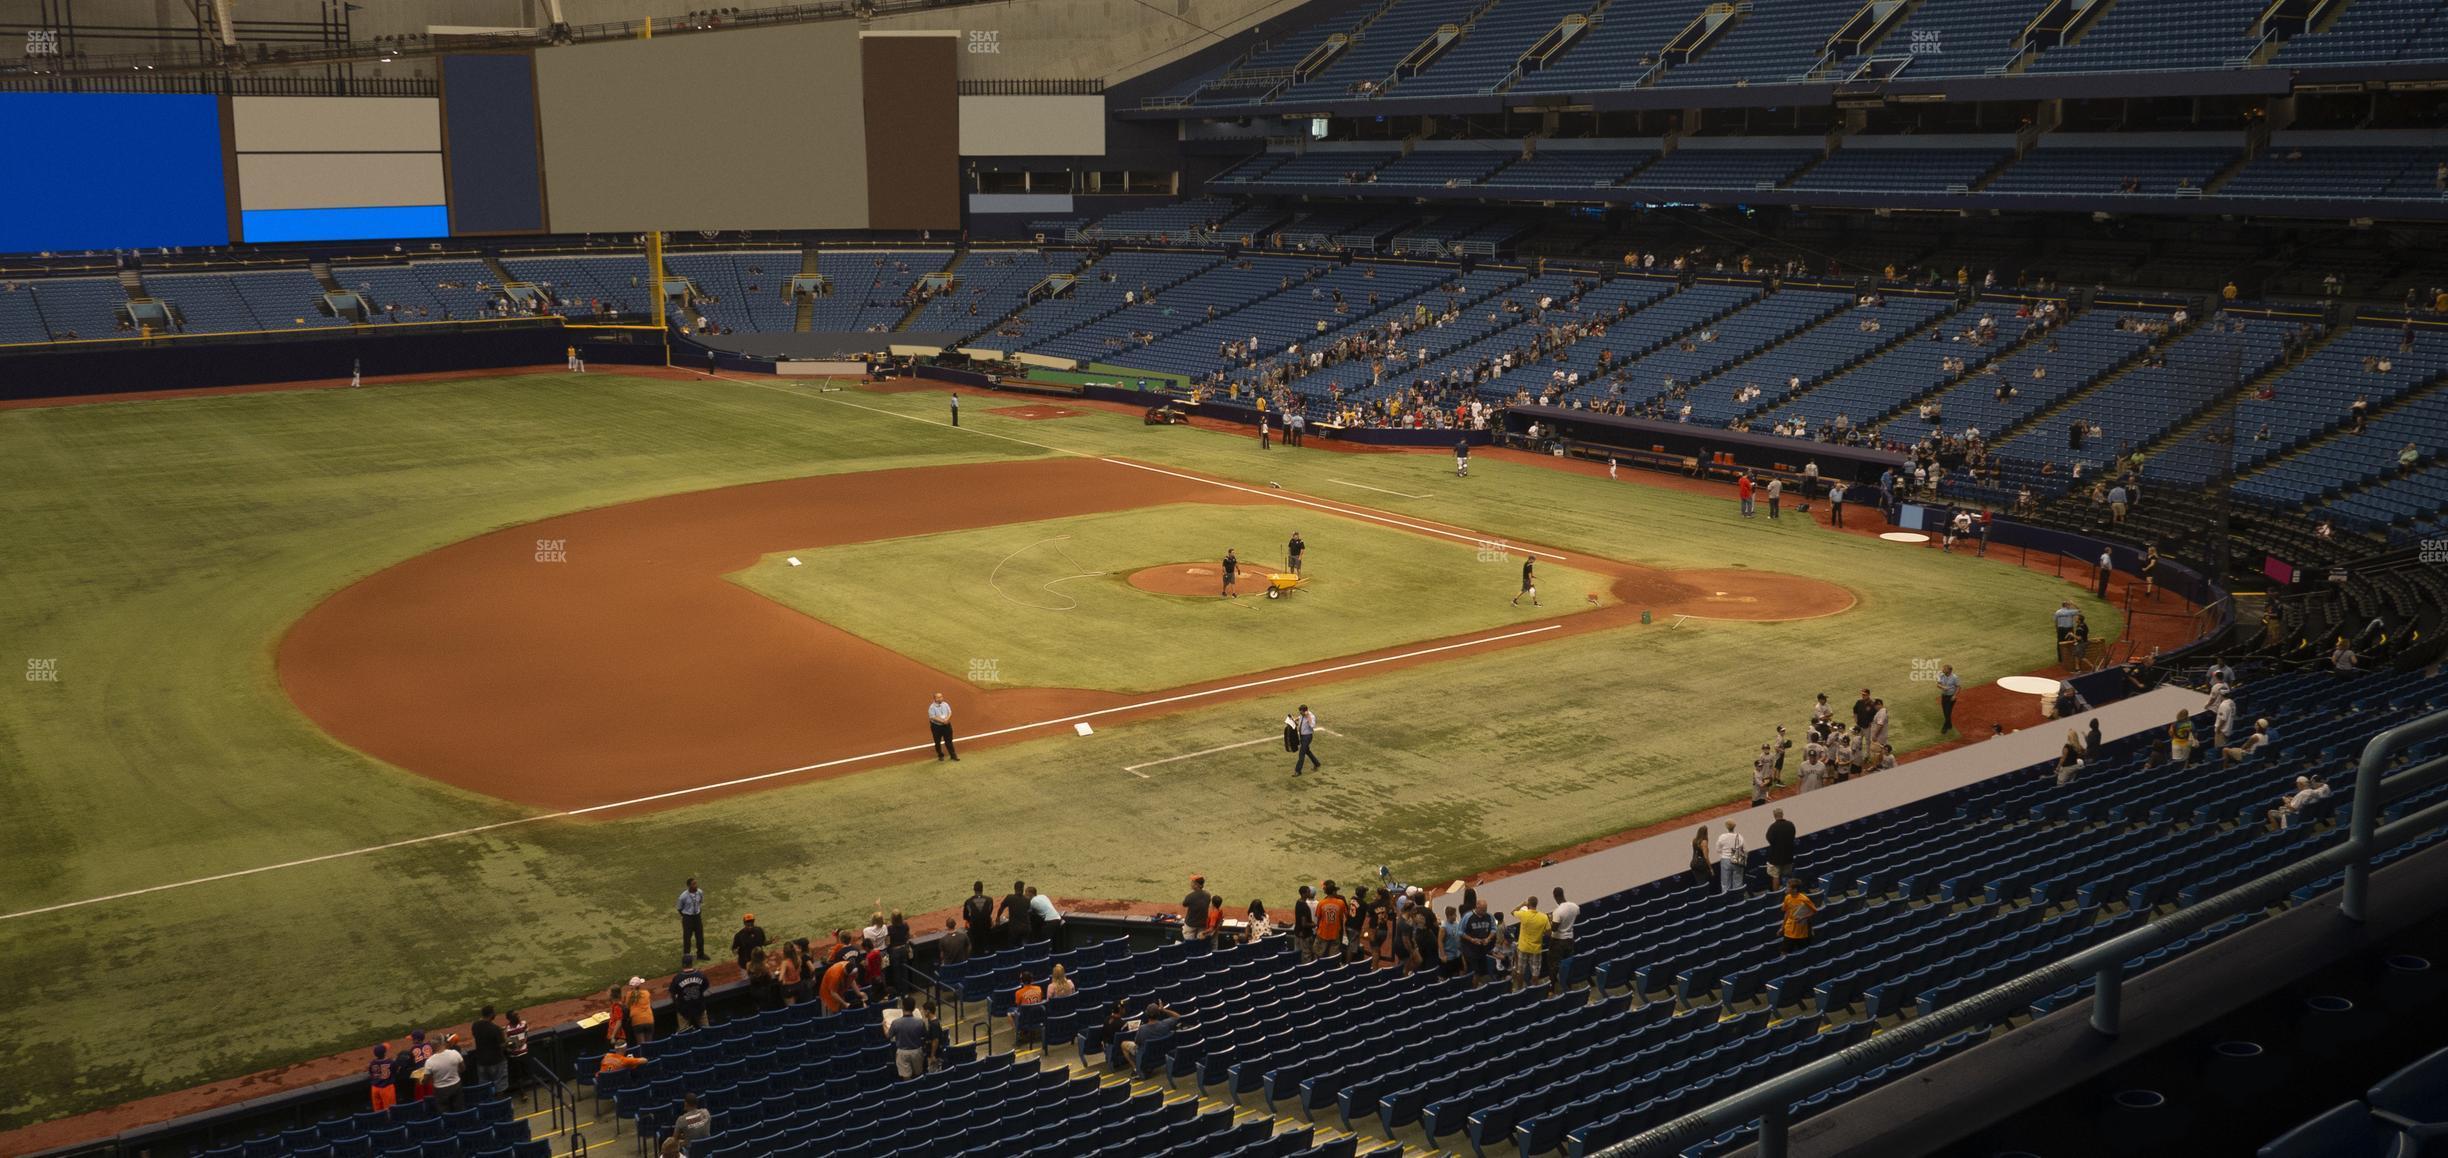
[[1194, 579]]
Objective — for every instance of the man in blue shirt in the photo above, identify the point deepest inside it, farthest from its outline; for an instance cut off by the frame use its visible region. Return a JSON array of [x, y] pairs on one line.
[[1156, 1026], [692, 919], [939, 728], [909, 1040], [1305, 724], [1452, 930]]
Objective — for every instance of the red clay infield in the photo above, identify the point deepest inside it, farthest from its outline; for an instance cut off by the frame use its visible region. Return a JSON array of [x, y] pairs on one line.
[[602, 656]]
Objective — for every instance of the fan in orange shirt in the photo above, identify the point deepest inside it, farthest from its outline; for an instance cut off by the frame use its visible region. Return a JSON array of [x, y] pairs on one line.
[[1332, 912], [837, 990]]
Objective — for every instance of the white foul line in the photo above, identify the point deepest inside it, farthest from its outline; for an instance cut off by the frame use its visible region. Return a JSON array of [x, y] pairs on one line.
[[1372, 516], [1277, 495], [1379, 490], [1134, 769], [818, 766]]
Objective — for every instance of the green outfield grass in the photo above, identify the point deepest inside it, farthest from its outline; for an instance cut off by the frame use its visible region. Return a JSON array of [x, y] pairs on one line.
[[158, 549], [1050, 604]]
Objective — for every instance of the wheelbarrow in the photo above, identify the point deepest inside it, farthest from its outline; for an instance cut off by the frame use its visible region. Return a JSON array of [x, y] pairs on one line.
[[1280, 582]]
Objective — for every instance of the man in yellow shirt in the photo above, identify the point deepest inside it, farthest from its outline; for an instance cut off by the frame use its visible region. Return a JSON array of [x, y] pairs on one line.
[[1800, 910], [1531, 947]]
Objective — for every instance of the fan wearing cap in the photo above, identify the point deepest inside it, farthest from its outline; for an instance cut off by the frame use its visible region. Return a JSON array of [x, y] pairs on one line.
[[418, 1050], [748, 942], [640, 1000], [2253, 743], [378, 1079]]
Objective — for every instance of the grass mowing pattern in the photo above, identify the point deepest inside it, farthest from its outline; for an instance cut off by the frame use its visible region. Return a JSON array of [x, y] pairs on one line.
[[1050, 604], [157, 550]]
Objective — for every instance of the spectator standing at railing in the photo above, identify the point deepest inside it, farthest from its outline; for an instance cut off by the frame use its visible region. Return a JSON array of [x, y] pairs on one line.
[[1194, 909], [640, 1000], [978, 914], [488, 1052], [1013, 915], [749, 942], [442, 1072], [688, 991], [1530, 942], [380, 1091], [1333, 916], [1731, 859], [1045, 921], [953, 947]]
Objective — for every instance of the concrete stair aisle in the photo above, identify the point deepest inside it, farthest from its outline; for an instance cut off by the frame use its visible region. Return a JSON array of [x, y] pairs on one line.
[[810, 265], [2039, 419], [950, 270], [1765, 409], [1401, 307], [1078, 266], [2189, 430], [1970, 368], [1089, 270]]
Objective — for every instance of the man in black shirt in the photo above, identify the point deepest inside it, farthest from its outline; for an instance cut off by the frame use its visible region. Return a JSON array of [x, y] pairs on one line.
[[1013, 914], [978, 913], [403, 1076], [1863, 712], [490, 1051], [1304, 925], [688, 991], [748, 942], [1194, 910], [1780, 848]]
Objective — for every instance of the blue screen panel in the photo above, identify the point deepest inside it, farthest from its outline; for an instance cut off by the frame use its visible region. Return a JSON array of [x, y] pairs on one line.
[[112, 171], [370, 223]]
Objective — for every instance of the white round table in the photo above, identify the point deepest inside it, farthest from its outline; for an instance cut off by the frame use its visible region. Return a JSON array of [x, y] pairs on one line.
[[2029, 685]]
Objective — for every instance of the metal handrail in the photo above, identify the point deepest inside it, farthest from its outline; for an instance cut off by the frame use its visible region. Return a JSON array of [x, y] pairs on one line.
[[960, 1005], [1771, 1102], [564, 1099]]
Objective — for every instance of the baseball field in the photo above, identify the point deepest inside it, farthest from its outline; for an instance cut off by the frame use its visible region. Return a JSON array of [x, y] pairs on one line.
[[347, 711]]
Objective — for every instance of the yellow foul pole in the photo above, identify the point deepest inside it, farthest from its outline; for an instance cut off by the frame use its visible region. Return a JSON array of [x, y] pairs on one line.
[[654, 281]]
